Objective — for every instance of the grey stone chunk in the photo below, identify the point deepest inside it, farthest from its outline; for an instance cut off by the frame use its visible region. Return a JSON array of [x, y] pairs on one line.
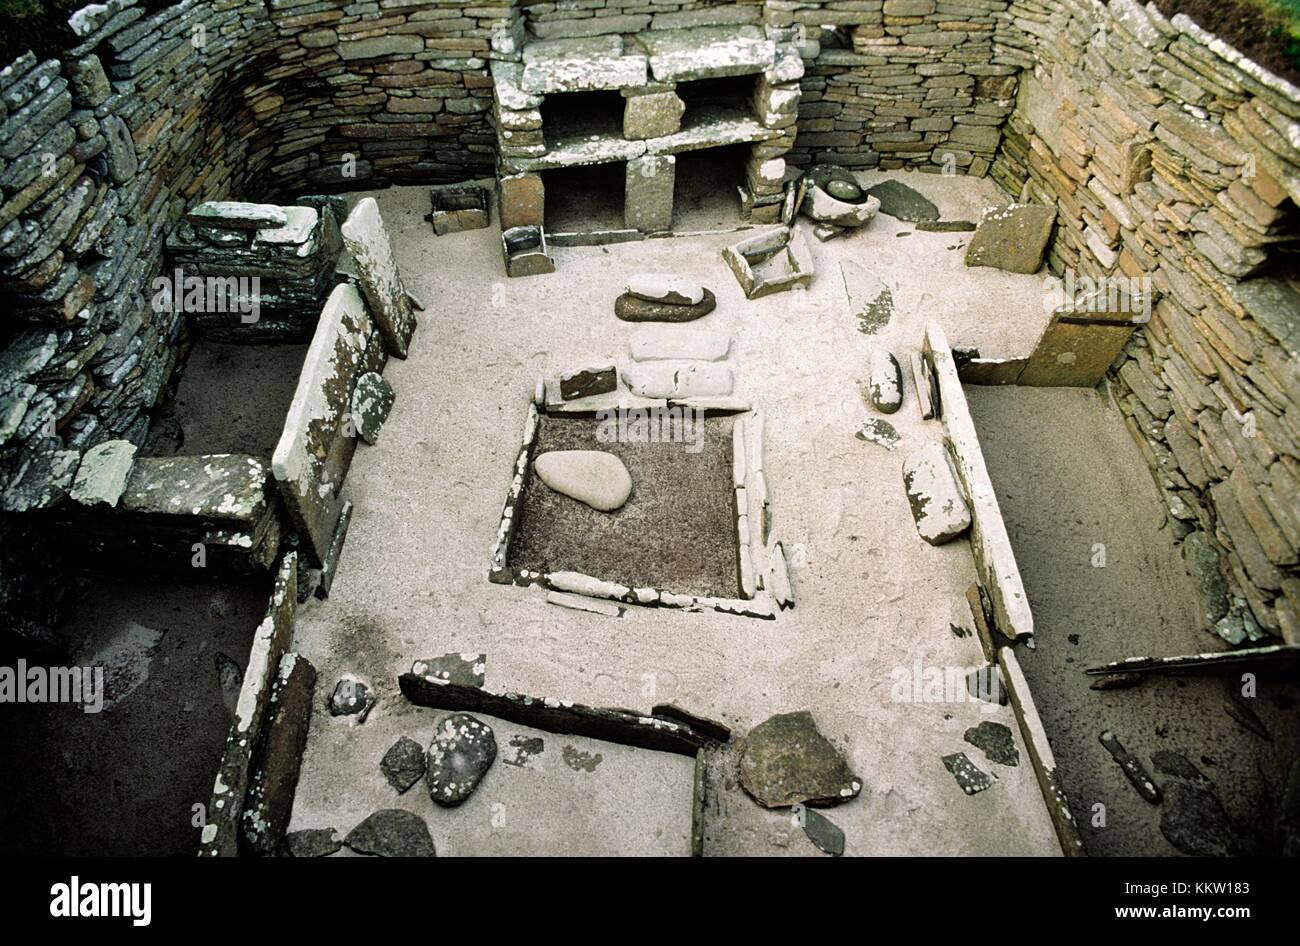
[[372, 399], [102, 476], [462, 669], [903, 202], [313, 842], [1274, 304], [122, 160], [1201, 560], [996, 741], [652, 115], [821, 831], [368, 243], [13, 409], [884, 381], [403, 764], [1012, 238], [935, 495], [352, 697], [461, 753], [786, 761], [1192, 819], [392, 832], [968, 775], [594, 477], [649, 188], [632, 308], [707, 52], [373, 47]]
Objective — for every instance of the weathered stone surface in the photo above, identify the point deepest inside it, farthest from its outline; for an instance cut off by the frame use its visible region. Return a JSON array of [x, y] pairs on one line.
[[880, 432], [372, 399], [884, 381], [521, 200], [996, 741], [1192, 819], [390, 304], [1012, 238], [403, 764], [968, 775], [632, 308], [593, 477], [586, 382], [461, 753], [677, 379], [237, 215], [25, 355], [577, 64], [652, 115], [668, 344], [935, 495], [462, 669], [102, 476], [392, 832], [315, 450], [821, 206], [223, 488], [313, 842], [459, 207], [1202, 563], [1074, 354], [903, 202], [676, 55], [376, 46], [648, 192], [786, 761]]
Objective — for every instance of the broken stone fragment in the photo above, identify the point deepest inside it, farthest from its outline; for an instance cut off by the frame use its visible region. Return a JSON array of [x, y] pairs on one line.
[[1132, 767], [903, 203], [1012, 238], [461, 753], [821, 831], [632, 308], [586, 382], [594, 477], [367, 241], [884, 382], [351, 697], [392, 832], [372, 399], [786, 761], [968, 775], [663, 287], [237, 215], [101, 478], [654, 343], [880, 432], [313, 842], [403, 764], [936, 498], [996, 741]]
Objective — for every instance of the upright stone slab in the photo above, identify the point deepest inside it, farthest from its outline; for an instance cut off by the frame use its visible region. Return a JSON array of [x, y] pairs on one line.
[[315, 450], [522, 200], [649, 206], [368, 243]]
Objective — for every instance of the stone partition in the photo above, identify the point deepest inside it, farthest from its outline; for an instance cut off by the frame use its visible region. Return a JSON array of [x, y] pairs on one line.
[[1171, 158]]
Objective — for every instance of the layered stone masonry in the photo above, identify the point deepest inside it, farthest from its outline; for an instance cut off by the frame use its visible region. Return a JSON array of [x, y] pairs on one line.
[[1170, 157]]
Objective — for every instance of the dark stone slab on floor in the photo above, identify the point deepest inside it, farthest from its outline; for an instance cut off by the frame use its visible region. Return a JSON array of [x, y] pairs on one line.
[[903, 202], [392, 832], [786, 761]]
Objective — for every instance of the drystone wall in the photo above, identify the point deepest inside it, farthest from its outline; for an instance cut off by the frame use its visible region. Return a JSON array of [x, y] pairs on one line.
[[1171, 158]]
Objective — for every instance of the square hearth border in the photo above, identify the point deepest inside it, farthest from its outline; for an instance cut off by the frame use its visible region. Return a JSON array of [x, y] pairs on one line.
[[761, 603]]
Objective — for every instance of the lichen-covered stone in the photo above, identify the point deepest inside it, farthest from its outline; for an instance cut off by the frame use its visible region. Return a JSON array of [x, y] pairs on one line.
[[786, 761], [935, 495], [461, 753], [367, 241]]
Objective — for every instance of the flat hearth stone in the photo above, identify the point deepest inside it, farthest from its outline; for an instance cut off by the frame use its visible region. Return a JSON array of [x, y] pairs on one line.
[[904, 203], [935, 495], [593, 477], [679, 379], [656, 343], [666, 287], [631, 308], [1012, 238]]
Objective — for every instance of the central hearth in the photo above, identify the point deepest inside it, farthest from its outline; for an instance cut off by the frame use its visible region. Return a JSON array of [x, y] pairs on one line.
[[634, 107]]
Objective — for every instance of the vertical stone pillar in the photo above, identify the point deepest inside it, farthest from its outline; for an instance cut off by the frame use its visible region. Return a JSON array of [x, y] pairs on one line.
[[652, 111], [521, 201], [649, 193]]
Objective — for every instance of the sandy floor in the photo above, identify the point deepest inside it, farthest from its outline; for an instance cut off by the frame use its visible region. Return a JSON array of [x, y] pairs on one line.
[[124, 781], [875, 603], [1037, 442]]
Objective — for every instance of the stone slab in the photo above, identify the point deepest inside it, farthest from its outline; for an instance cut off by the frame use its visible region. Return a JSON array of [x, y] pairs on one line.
[[367, 241]]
